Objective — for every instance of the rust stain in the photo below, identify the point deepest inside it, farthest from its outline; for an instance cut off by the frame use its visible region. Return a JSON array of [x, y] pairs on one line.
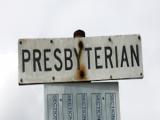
[[81, 47], [81, 74]]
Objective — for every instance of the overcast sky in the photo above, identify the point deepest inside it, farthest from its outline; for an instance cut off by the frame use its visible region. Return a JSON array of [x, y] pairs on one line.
[[139, 99]]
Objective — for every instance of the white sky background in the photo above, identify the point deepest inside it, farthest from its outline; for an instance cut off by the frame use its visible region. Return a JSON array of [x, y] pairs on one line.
[[139, 99]]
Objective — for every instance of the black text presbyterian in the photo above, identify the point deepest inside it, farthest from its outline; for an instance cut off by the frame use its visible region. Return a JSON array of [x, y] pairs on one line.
[[62, 59]]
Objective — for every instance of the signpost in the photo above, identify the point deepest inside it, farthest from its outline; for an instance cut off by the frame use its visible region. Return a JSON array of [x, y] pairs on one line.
[[79, 59], [66, 60]]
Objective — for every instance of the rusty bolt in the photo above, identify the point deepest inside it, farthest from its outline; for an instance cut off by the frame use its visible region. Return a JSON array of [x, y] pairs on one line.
[[82, 74]]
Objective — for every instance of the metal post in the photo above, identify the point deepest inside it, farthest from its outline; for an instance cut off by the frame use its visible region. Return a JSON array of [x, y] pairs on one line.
[[79, 33]]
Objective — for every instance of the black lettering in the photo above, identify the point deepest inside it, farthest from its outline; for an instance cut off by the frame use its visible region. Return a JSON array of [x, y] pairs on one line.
[[36, 59], [88, 54], [116, 56], [58, 68], [134, 55], [68, 56], [124, 57], [108, 55], [46, 59], [25, 58], [97, 57], [78, 58]]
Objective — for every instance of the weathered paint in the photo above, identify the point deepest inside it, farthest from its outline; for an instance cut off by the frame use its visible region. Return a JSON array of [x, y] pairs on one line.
[[99, 58], [81, 74]]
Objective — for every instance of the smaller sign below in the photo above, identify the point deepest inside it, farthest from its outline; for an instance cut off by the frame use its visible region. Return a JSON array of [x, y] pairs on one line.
[[83, 101], [80, 59]]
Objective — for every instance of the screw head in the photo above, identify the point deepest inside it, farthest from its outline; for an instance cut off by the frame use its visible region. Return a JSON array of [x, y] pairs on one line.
[[139, 37], [51, 41], [53, 78], [109, 39], [20, 42]]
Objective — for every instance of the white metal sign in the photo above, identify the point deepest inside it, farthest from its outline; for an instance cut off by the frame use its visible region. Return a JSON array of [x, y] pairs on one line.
[[79, 59], [84, 101]]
